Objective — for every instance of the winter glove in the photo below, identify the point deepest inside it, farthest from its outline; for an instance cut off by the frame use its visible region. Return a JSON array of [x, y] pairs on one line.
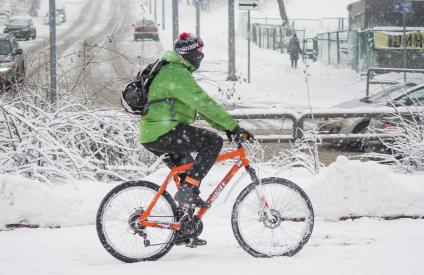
[[239, 134]]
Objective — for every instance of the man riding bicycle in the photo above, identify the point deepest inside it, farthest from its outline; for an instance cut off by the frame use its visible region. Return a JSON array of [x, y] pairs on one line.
[[166, 129]]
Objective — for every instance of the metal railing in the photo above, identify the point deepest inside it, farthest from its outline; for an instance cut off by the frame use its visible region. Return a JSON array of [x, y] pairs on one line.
[[298, 124]]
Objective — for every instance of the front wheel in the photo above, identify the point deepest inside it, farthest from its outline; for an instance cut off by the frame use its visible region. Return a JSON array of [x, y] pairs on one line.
[[118, 228], [283, 233]]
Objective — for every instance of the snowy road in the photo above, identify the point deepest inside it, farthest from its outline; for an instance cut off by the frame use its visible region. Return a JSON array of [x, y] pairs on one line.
[[353, 247], [98, 34]]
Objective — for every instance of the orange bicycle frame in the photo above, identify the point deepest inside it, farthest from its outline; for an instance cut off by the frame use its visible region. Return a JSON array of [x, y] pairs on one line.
[[239, 154]]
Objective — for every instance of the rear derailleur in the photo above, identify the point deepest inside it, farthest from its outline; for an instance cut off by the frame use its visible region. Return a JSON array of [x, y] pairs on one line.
[[133, 222]]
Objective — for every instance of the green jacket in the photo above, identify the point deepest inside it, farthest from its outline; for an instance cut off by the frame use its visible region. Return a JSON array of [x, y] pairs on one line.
[[175, 80]]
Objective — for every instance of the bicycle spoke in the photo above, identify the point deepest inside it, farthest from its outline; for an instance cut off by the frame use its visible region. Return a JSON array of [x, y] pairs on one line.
[[281, 233], [120, 220]]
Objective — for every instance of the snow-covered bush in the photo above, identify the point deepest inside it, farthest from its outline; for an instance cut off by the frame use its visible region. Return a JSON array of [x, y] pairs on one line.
[[406, 148], [70, 142], [302, 153]]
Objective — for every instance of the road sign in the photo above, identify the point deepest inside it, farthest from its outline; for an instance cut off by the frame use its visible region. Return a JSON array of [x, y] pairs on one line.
[[249, 5], [403, 7]]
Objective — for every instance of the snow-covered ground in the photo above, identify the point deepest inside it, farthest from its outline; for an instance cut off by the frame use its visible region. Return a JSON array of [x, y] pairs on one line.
[[350, 248], [364, 246]]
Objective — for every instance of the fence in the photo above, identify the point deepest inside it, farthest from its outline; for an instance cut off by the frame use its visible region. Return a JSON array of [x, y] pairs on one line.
[[333, 48], [298, 124], [358, 50], [274, 37]]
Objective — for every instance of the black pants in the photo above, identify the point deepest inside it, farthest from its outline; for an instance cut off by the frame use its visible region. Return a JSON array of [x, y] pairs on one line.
[[182, 141], [293, 62]]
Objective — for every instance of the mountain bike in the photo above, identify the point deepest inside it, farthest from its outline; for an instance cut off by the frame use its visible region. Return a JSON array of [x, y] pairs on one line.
[[140, 221]]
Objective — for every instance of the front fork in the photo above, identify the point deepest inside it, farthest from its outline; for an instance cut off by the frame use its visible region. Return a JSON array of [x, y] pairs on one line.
[[259, 192]]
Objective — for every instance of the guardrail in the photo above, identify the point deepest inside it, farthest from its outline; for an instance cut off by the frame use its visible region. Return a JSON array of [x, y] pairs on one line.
[[298, 123]]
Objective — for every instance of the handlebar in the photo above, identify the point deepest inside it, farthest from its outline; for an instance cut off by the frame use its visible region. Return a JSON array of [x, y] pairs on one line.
[[239, 139]]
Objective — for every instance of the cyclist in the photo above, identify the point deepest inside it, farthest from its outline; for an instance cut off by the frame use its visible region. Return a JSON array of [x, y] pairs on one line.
[[166, 129]]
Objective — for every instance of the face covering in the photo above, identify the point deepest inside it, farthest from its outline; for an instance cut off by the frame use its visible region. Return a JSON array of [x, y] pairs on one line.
[[195, 58]]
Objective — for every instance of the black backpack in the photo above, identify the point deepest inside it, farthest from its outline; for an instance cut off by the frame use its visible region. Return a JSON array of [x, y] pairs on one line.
[[134, 96]]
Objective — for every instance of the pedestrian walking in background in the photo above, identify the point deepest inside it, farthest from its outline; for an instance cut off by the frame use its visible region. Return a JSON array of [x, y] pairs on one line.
[[294, 49]]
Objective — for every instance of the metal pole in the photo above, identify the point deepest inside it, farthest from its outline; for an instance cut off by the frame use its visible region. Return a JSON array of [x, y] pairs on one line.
[[155, 11], [53, 83], [404, 44], [198, 18], [248, 46], [231, 43], [84, 44], [329, 48], [174, 21], [338, 47], [163, 14], [150, 6]]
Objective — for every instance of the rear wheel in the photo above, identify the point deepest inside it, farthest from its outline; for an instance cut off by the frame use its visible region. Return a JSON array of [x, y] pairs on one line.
[[118, 228], [285, 232]]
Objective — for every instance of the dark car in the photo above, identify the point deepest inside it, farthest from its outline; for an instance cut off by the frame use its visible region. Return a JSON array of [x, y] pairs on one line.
[[21, 28], [12, 64], [146, 29]]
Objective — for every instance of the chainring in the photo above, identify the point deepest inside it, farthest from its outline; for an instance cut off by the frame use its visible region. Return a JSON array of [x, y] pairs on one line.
[[190, 228]]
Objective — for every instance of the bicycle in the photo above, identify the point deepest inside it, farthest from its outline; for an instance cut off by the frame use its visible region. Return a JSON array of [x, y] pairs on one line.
[[140, 221]]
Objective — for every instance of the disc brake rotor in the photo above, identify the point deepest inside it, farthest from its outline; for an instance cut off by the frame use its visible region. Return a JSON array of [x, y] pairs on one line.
[[274, 221]]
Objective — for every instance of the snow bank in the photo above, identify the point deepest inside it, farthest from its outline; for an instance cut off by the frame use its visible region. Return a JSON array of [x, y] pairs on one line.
[[354, 188], [345, 188], [32, 202]]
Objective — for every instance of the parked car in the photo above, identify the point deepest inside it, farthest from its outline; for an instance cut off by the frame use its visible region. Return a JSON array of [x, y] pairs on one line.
[[61, 14], [12, 63], [21, 27], [385, 97], [146, 29], [414, 98]]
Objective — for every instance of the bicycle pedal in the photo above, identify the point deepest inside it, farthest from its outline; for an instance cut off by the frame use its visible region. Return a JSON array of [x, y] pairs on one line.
[[193, 243]]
